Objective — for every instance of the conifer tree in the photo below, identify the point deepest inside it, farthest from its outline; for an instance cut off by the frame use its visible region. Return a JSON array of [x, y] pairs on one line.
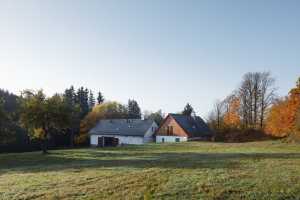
[[134, 111], [100, 98], [91, 100], [188, 110]]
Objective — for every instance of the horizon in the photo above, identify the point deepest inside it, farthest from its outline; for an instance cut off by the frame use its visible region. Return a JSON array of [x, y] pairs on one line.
[[162, 54]]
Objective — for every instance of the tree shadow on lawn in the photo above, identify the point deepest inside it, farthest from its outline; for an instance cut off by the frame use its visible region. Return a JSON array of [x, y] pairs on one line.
[[58, 161]]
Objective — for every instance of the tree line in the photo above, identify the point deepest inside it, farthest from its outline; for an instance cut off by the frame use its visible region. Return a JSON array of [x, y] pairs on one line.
[[255, 107], [34, 121]]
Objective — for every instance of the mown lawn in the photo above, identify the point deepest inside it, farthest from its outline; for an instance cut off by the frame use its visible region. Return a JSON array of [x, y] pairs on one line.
[[193, 170]]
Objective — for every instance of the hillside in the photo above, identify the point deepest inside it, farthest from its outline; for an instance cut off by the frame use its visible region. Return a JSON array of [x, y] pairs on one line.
[[262, 170]]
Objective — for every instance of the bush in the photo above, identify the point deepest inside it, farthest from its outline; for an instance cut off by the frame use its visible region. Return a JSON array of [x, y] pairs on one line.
[[237, 135]]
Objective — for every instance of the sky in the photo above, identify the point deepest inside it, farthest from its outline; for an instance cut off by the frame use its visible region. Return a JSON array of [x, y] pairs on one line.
[[162, 53]]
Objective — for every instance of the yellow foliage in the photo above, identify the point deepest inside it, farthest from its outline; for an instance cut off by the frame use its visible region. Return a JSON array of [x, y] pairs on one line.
[[282, 118], [231, 117], [38, 133], [108, 110]]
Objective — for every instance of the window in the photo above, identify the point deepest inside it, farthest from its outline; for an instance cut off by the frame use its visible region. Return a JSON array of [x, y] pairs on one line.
[[162, 140], [170, 130], [153, 129], [177, 139]]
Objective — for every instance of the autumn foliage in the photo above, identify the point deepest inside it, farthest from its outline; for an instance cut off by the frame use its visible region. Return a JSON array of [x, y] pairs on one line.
[[283, 116], [232, 117], [107, 110]]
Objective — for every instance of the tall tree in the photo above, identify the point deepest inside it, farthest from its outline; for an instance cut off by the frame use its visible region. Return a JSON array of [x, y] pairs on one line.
[[70, 96], [82, 101], [282, 119], [267, 95], [10, 131], [100, 98], [231, 116], [91, 100], [188, 110], [134, 111], [256, 94], [74, 108], [41, 115], [216, 116], [3, 118]]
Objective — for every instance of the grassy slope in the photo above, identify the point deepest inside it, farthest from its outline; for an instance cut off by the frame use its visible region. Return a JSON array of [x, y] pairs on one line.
[[264, 170]]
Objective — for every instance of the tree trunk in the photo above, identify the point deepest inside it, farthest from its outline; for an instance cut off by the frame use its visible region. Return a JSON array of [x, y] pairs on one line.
[[72, 138], [44, 143], [44, 146]]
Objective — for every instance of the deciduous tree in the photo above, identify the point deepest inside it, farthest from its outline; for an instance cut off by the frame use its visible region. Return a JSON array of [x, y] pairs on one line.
[[282, 118], [155, 116], [108, 110], [42, 115], [231, 116]]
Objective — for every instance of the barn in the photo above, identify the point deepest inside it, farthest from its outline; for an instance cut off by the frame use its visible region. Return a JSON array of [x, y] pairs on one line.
[[114, 132], [180, 128]]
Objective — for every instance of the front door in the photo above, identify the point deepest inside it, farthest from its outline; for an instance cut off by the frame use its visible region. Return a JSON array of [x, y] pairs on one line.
[[100, 141]]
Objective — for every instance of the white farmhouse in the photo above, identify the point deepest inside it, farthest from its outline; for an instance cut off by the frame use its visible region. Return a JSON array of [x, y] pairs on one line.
[[116, 132]]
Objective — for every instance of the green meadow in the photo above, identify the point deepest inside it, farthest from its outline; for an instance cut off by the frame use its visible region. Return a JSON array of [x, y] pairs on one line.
[[191, 170]]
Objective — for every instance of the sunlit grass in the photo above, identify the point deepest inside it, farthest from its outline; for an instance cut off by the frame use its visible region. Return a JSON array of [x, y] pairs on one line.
[[197, 170]]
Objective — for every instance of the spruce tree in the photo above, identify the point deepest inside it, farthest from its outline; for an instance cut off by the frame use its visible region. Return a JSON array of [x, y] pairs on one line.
[[91, 100], [100, 98], [82, 98], [70, 96], [134, 111]]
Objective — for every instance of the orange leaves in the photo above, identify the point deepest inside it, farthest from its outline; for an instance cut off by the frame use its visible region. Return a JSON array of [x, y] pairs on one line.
[[231, 117], [279, 120], [282, 117]]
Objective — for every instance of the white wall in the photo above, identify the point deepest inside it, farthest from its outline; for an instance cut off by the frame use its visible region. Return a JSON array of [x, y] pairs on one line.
[[94, 140], [151, 130], [129, 139], [159, 138], [149, 135], [122, 139]]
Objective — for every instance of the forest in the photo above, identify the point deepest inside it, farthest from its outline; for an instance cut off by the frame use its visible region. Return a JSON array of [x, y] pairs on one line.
[[253, 111]]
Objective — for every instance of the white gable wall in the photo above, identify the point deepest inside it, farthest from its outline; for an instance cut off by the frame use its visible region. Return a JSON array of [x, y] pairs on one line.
[[149, 135]]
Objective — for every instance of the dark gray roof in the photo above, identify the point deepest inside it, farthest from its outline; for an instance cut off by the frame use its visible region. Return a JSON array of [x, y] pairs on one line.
[[125, 127], [194, 126]]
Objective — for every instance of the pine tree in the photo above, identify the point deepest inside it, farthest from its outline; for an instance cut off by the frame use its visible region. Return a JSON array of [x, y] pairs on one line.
[[100, 98], [134, 111], [91, 100]]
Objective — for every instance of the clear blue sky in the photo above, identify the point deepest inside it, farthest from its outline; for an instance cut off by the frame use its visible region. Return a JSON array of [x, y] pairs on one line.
[[161, 53]]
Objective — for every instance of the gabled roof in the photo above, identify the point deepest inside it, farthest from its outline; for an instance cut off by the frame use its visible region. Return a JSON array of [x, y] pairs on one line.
[[194, 126], [124, 127]]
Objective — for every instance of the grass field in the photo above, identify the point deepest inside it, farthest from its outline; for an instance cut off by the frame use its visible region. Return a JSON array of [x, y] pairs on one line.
[[195, 170]]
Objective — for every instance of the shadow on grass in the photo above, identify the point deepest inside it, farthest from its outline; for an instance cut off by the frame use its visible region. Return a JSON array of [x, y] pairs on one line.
[[77, 160]]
